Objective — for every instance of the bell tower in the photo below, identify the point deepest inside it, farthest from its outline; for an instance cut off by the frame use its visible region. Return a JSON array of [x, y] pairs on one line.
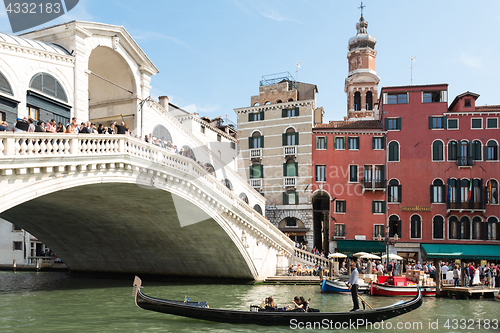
[[361, 84]]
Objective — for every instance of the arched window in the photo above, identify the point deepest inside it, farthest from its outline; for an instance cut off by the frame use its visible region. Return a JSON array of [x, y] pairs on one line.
[[452, 151], [415, 226], [463, 153], [437, 191], [258, 209], [267, 103], [476, 149], [477, 228], [256, 104], [357, 101], [492, 192], [256, 140], [290, 168], [393, 151], [491, 151], [48, 84], [453, 228], [279, 101], [5, 85], [452, 193], [290, 100], [228, 184], [438, 227], [464, 193], [161, 132], [209, 168], [394, 191], [369, 100], [290, 137], [187, 151], [465, 227], [493, 228], [394, 226], [477, 193], [437, 151], [244, 197]]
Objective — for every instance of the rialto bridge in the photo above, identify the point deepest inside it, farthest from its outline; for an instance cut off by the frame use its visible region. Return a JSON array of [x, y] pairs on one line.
[[113, 203]]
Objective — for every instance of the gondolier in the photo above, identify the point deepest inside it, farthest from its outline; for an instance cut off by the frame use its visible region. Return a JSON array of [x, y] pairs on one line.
[[352, 284]]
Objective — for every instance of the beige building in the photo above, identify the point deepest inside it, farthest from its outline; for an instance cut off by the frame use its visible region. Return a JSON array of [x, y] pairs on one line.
[[274, 152]]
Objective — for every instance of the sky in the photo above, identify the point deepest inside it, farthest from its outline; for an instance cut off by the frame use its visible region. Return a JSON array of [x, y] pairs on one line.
[[212, 54]]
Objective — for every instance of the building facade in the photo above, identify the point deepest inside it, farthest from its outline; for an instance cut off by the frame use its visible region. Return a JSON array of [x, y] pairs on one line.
[[275, 155]]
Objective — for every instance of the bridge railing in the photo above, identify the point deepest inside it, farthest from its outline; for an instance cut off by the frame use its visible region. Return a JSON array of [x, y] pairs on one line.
[[29, 145], [310, 258]]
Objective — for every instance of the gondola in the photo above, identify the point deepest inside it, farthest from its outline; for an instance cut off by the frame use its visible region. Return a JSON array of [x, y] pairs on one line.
[[200, 310]]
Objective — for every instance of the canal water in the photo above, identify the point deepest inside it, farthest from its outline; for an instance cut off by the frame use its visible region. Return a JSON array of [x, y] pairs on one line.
[[58, 302]]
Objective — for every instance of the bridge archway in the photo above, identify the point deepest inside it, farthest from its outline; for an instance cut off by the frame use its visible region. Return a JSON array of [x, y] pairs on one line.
[[112, 92]]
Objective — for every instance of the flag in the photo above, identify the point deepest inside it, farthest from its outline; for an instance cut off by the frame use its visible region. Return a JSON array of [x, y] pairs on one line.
[[448, 197], [489, 192], [469, 192]]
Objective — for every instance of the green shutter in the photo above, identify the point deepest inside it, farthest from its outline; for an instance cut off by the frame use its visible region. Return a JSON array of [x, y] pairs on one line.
[[386, 124], [383, 207], [373, 142], [283, 139], [250, 116], [285, 199], [250, 143], [445, 122], [283, 113], [296, 138], [398, 123], [296, 198], [357, 143], [400, 193], [296, 111], [251, 171], [261, 115], [326, 141], [335, 140], [317, 142], [430, 123], [261, 171], [432, 193], [296, 169], [284, 170], [261, 142], [373, 206]]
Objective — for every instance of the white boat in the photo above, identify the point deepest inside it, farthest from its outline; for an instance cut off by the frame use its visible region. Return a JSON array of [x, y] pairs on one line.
[[339, 287]]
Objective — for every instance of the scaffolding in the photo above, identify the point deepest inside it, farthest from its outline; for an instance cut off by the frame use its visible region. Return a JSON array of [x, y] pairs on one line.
[[279, 78]]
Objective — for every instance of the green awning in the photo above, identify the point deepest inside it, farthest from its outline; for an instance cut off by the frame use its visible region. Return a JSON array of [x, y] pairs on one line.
[[461, 251], [353, 246]]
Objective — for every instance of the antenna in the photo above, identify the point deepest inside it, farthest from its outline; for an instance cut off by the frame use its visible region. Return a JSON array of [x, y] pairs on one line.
[[297, 69], [412, 61]]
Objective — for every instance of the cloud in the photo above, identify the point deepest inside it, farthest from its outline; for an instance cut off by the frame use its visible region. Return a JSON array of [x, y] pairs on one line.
[[201, 109], [144, 35], [471, 60], [262, 8]]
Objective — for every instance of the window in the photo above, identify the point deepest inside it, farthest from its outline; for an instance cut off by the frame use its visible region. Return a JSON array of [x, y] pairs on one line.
[[340, 206], [290, 168], [492, 192], [437, 151], [49, 85], [476, 149], [394, 191], [415, 227], [491, 151], [256, 141], [291, 112], [464, 192], [321, 143], [5, 85], [379, 176], [33, 113], [378, 143], [16, 228], [379, 230], [353, 173], [219, 137], [477, 230], [476, 123], [393, 151], [353, 143], [290, 137], [491, 122], [397, 98], [453, 228], [291, 222], [202, 129], [256, 116], [394, 226], [452, 123], [369, 100], [228, 184], [339, 230], [258, 209], [452, 151], [493, 228], [437, 191], [392, 124], [434, 97], [467, 102], [464, 232], [17, 246], [256, 170], [290, 198], [321, 173], [357, 101], [437, 122], [438, 227], [339, 142], [243, 197], [378, 207], [233, 145], [452, 193]]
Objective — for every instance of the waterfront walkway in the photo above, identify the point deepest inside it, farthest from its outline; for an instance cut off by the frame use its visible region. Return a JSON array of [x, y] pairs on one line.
[[468, 292]]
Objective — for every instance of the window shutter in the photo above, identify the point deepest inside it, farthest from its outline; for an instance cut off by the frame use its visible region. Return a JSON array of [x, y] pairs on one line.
[[443, 193], [384, 98], [250, 116], [283, 113], [297, 138], [472, 149], [296, 169], [399, 228], [326, 141], [383, 142], [400, 194], [250, 143], [284, 171], [335, 140], [296, 198], [261, 115], [373, 206], [382, 171], [261, 140], [285, 199], [357, 143], [261, 167], [445, 122], [386, 124], [251, 171], [383, 207], [432, 194], [481, 195], [485, 152], [283, 139], [296, 111], [373, 142], [398, 123], [430, 122], [317, 141]]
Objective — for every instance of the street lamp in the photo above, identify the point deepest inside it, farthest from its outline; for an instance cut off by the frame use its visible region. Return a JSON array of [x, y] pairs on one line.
[[386, 240]]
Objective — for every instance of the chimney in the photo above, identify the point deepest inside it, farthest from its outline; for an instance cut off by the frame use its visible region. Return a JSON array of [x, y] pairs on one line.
[[163, 102]]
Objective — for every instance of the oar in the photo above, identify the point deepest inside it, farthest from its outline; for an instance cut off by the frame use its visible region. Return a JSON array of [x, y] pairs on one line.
[[362, 300]]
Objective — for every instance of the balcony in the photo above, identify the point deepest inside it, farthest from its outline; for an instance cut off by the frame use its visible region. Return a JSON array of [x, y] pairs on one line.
[[256, 153], [290, 150], [290, 181], [469, 206], [374, 185], [465, 162], [256, 183], [338, 234]]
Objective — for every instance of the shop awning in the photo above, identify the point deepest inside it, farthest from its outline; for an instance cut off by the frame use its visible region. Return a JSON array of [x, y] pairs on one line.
[[353, 246], [461, 251]]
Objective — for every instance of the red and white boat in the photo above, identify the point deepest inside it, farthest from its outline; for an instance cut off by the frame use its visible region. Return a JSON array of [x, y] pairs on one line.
[[398, 286]]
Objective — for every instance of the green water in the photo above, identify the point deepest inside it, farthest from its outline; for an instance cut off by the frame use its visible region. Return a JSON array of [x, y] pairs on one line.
[[57, 302]]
